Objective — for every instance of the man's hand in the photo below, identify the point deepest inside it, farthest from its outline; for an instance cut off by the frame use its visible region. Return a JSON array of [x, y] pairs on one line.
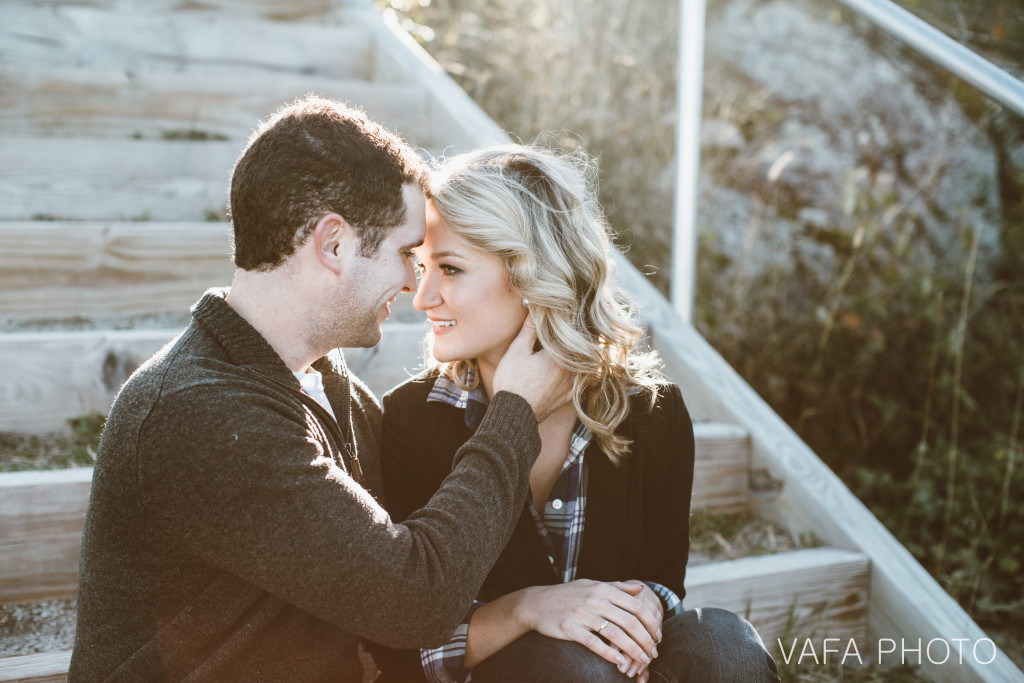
[[533, 375]]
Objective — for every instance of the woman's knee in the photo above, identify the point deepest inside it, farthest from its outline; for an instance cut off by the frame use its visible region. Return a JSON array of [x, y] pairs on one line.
[[535, 658], [711, 644]]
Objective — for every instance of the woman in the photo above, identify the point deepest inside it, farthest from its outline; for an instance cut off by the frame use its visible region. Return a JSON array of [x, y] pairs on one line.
[[589, 587]]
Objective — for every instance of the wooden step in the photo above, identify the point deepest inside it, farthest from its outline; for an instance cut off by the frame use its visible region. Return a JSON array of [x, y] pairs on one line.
[[41, 517], [207, 41], [268, 9], [44, 178], [55, 101], [107, 270], [790, 597], [45, 667], [721, 472], [41, 514], [99, 179], [57, 270], [812, 593], [51, 377]]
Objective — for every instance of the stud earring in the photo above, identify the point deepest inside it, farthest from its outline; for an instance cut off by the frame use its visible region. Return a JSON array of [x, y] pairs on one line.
[[526, 303]]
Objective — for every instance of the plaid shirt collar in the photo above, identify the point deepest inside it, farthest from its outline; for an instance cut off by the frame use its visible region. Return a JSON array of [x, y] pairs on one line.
[[561, 526]]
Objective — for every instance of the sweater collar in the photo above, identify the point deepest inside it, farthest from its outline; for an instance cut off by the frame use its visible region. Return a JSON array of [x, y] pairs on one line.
[[246, 346]]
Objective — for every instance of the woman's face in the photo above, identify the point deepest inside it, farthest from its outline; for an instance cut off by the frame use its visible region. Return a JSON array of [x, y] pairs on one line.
[[466, 294]]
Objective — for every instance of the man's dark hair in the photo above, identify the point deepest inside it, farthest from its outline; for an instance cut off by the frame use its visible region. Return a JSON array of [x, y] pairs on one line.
[[313, 157]]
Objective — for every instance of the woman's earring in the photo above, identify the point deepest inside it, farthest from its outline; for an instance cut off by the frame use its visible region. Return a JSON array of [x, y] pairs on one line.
[[526, 303]]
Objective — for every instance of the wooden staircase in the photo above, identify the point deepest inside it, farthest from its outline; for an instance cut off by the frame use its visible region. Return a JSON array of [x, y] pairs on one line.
[[118, 129]]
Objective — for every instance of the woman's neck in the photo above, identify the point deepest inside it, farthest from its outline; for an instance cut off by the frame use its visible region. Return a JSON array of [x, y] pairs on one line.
[[486, 370]]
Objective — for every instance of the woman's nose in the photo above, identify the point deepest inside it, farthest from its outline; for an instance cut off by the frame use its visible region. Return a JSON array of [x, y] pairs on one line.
[[427, 296]]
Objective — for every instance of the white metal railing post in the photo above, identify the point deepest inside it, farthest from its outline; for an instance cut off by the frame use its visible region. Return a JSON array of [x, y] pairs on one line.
[[688, 114]]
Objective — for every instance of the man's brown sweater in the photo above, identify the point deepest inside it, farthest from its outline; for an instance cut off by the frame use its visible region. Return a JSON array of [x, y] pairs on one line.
[[226, 541]]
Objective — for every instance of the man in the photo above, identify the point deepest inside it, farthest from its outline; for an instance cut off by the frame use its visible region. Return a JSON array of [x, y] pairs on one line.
[[232, 532]]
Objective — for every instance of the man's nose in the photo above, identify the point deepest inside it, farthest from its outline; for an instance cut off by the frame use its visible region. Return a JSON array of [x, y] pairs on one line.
[[410, 278]]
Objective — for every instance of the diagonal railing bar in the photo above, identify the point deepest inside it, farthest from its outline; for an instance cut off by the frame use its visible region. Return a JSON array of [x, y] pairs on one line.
[[943, 50]]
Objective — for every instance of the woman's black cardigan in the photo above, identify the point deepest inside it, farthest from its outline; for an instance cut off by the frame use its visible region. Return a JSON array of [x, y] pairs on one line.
[[637, 514]]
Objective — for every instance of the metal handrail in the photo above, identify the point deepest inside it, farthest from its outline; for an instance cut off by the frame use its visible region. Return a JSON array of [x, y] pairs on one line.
[[943, 50], [914, 32]]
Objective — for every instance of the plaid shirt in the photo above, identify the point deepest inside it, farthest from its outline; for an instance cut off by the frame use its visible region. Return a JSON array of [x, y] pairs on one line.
[[561, 528]]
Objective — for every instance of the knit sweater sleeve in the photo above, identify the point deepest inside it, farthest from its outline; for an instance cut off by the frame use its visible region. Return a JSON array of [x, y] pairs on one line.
[[239, 481]]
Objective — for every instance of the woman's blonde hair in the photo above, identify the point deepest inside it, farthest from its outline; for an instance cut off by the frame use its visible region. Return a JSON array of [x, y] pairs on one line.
[[538, 211]]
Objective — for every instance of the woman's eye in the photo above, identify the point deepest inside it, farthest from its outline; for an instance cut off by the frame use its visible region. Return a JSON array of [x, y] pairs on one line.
[[448, 270]]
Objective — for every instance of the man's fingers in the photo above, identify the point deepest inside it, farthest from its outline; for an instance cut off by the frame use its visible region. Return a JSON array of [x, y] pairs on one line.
[[527, 336]]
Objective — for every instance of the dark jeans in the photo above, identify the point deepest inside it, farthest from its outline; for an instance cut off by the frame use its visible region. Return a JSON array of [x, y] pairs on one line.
[[700, 645]]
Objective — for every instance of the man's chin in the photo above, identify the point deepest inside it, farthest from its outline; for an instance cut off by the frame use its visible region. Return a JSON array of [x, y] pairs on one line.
[[368, 339]]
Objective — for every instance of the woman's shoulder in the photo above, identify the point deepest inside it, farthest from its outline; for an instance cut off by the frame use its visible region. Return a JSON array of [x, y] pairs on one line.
[[412, 392], [663, 401]]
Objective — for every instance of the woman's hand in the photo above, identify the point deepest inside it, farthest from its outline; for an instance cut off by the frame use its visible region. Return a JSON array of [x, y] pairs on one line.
[[592, 612]]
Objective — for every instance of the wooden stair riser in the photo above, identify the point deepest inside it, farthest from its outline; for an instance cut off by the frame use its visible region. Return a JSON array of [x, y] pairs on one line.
[[156, 105], [174, 41], [62, 270], [45, 178], [41, 516], [45, 667], [803, 594], [810, 593], [267, 9], [100, 179], [51, 377]]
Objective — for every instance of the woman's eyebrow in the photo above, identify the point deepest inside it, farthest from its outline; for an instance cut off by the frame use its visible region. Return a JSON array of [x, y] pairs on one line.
[[445, 254]]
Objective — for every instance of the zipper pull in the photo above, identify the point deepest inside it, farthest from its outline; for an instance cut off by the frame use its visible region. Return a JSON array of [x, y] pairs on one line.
[[356, 469]]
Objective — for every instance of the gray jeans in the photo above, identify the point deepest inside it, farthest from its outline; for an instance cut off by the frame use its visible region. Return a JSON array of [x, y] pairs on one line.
[[700, 645]]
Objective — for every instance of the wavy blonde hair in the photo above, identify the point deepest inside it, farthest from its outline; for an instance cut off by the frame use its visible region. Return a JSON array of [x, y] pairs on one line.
[[538, 211]]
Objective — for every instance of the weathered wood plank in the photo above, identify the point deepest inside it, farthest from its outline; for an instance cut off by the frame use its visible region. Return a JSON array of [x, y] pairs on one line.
[[906, 602], [59, 270], [41, 516], [51, 377], [721, 468], [88, 179], [45, 667], [47, 101], [111, 179], [41, 513], [270, 9], [102, 39], [809, 593]]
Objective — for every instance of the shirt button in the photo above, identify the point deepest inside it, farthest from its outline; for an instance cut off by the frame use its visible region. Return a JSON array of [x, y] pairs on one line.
[[557, 504], [551, 559]]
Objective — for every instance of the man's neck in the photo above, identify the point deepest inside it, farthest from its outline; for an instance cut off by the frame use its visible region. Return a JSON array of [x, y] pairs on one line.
[[267, 302]]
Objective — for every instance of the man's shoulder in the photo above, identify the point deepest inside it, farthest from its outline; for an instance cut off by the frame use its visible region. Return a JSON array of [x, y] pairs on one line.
[[191, 365]]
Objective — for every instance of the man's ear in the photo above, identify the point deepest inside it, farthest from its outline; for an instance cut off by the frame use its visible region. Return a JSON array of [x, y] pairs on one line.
[[335, 241]]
